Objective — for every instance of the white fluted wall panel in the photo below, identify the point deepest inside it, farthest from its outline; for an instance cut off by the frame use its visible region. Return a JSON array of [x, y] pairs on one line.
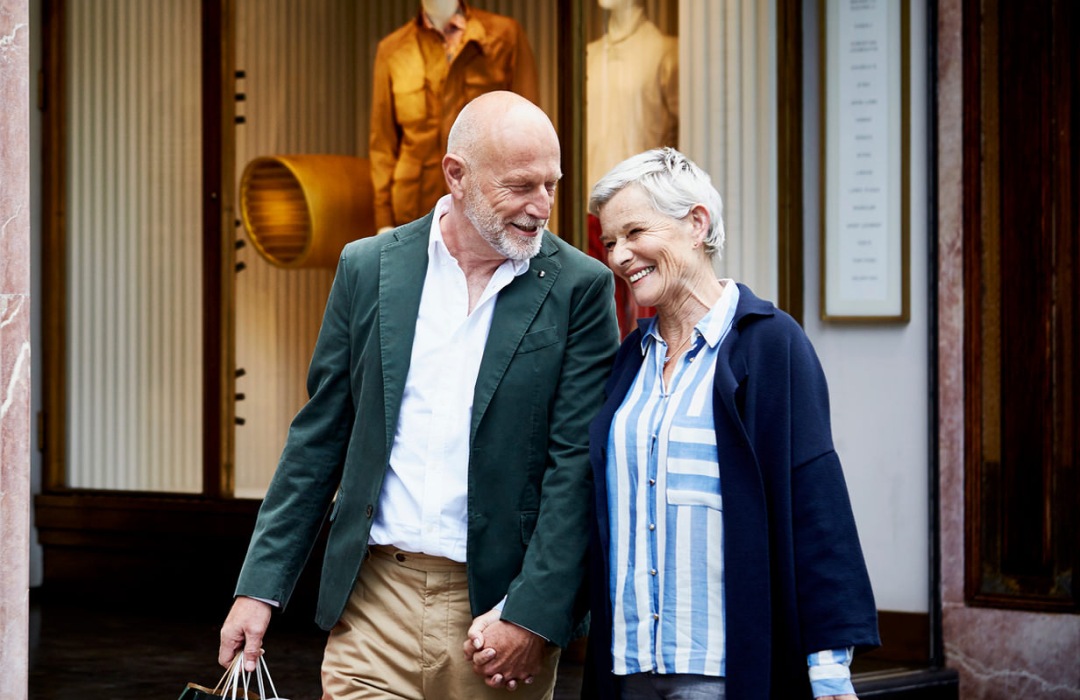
[[727, 95], [299, 63], [134, 325]]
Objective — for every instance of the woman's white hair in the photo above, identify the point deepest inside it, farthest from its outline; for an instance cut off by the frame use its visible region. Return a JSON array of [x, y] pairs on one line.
[[672, 182]]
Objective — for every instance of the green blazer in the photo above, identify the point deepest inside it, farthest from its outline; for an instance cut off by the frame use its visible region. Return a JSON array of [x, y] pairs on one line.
[[553, 336]]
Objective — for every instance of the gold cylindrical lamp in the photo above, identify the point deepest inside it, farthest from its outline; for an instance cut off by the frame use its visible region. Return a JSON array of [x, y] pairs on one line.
[[299, 211]]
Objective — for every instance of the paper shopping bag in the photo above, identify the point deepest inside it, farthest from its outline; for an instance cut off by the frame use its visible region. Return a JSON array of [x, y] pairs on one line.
[[235, 684]]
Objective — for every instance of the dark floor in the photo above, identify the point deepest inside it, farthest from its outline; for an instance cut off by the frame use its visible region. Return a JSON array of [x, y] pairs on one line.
[[79, 652]]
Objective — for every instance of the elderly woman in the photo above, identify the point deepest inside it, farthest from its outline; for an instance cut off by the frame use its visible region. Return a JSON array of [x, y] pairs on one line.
[[725, 561]]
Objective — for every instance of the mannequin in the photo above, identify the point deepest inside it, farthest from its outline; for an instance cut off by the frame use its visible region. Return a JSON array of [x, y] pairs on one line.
[[632, 88], [440, 11], [425, 72], [632, 103]]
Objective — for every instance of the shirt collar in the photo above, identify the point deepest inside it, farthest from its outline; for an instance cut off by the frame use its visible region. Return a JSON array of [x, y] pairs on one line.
[[437, 249], [713, 326]]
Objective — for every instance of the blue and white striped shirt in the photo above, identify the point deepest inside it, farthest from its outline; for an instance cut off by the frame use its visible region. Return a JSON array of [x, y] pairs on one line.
[[663, 484]]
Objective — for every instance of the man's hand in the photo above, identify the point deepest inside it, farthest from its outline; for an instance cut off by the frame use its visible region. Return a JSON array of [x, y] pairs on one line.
[[502, 652], [244, 628], [848, 696]]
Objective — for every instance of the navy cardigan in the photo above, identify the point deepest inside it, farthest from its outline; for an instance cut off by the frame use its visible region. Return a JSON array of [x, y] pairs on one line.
[[795, 579]]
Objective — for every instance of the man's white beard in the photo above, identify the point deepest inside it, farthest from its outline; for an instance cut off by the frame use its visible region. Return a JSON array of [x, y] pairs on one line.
[[497, 233]]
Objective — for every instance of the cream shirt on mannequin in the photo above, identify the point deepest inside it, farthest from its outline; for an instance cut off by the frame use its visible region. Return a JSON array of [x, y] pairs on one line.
[[632, 85]]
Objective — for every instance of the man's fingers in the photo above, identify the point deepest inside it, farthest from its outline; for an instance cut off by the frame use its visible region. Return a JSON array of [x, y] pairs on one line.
[[480, 658], [511, 685], [243, 630], [251, 656]]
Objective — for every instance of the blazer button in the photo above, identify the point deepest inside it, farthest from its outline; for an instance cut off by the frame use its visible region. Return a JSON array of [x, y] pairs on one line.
[[369, 510]]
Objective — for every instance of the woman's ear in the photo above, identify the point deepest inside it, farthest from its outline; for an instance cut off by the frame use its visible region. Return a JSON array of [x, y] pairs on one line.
[[699, 221]]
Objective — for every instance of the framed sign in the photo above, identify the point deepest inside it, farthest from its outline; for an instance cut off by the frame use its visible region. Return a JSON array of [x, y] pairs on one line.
[[864, 123]]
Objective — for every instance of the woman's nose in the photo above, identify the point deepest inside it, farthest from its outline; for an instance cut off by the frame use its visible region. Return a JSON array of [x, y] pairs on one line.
[[619, 254]]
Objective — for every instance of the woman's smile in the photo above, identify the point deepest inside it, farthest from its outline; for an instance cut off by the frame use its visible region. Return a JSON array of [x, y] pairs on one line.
[[640, 274]]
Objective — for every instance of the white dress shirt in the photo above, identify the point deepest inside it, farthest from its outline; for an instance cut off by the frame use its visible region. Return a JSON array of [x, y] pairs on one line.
[[424, 501]]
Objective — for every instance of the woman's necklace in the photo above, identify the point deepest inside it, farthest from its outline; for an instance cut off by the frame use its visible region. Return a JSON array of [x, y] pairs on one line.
[[675, 353]]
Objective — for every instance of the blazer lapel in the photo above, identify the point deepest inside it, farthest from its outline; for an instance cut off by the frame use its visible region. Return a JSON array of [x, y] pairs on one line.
[[515, 310], [402, 267]]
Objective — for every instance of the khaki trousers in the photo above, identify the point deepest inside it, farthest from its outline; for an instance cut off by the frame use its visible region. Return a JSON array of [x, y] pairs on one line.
[[402, 632]]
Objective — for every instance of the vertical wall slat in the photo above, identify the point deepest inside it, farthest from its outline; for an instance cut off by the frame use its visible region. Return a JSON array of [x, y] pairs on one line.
[[727, 93], [135, 299]]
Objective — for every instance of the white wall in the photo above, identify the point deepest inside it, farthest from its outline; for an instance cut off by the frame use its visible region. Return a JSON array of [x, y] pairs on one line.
[[878, 374]]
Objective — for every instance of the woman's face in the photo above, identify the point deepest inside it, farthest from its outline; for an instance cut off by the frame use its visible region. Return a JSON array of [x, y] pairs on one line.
[[658, 256]]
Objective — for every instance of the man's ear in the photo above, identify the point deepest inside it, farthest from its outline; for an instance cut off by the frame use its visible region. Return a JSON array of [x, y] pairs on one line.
[[454, 171]]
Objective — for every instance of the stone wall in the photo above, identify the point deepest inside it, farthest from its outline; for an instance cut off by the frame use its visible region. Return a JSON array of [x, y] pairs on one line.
[[14, 346]]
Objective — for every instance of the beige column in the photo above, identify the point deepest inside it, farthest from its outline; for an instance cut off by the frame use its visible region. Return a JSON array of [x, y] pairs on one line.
[[14, 346]]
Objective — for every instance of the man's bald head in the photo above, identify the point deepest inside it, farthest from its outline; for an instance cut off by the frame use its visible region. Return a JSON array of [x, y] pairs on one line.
[[493, 121]]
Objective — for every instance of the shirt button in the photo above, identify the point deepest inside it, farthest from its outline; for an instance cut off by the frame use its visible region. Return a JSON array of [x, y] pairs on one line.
[[652, 482], [652, 571], [652, 526], [655, 616]]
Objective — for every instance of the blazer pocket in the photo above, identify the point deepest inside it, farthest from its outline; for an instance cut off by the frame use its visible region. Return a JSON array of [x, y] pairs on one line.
[[537, 340], [528, 524]]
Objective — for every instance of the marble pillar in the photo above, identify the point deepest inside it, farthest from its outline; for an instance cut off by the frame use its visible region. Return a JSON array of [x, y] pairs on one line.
[[14, 346], [1000, 654]]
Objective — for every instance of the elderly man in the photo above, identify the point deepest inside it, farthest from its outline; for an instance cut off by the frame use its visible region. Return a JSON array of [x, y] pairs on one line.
[[460, 359]]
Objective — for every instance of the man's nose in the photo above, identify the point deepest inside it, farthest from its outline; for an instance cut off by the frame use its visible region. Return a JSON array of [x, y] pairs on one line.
[[539, 204]]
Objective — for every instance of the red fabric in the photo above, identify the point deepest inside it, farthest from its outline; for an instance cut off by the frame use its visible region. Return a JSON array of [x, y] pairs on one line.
[[627, 310]]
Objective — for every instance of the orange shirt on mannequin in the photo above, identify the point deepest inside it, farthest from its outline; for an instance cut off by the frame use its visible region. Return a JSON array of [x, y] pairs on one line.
[[421, 83]]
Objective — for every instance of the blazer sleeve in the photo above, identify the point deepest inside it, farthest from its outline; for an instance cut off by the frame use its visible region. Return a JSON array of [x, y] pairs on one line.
[[309, 470], [546, 597]]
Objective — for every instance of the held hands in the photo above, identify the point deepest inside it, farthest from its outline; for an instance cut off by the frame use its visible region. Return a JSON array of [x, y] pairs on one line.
[[502, 652], [244, 628]]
